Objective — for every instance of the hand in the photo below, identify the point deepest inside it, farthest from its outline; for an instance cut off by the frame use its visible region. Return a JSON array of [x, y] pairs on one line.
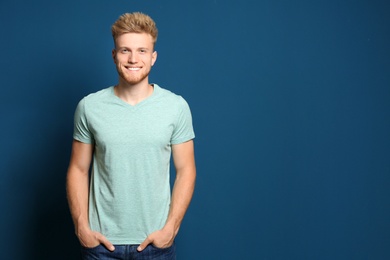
[[160, 238], [90, 239]]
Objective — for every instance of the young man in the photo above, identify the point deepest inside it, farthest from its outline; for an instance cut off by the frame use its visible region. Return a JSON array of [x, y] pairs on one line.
[[126, 211]]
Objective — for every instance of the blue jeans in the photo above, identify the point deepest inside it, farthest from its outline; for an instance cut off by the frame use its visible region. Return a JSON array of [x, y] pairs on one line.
[[129, 252]]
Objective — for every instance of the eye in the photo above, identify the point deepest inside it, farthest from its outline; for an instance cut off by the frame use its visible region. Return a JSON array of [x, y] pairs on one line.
[[124, 51], [143, 51]]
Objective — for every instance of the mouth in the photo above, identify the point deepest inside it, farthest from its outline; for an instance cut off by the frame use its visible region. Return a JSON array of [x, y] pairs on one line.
[[133, 68]]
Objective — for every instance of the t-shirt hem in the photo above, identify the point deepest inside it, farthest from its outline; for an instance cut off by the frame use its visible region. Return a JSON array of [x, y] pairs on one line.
[[125, 241]]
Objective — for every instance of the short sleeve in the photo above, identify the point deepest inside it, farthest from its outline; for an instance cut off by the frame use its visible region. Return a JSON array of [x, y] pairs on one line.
[[81, 131], [183, 130]]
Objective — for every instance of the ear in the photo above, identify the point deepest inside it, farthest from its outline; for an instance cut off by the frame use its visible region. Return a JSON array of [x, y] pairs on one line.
[[154, 57], [113, 53]]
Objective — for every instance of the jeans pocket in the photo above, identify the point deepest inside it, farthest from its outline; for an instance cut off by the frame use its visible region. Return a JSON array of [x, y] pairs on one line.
[[154, 252], [92, 253], [160, 248], [91, 248]]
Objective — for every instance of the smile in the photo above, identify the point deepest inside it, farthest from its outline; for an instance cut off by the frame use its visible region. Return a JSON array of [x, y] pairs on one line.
[[133, 69]]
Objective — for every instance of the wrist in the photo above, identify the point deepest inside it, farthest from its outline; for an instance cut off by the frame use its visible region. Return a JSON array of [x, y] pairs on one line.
[[82, 227], [172, 227]]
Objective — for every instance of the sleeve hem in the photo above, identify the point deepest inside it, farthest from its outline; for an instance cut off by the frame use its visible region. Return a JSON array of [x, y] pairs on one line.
[[183, 140], [83, 140]]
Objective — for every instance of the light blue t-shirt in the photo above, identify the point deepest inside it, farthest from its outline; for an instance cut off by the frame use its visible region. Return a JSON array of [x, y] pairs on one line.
[[129, 192]]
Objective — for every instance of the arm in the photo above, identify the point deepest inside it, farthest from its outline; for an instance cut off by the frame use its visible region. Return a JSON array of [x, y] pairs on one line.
[[77, 187], [183, 158]]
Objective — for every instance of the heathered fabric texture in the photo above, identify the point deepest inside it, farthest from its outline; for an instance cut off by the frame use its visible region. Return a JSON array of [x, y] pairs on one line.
[[130, 192]]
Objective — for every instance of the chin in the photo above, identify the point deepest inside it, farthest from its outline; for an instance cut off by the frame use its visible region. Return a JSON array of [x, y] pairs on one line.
[[134, 81]]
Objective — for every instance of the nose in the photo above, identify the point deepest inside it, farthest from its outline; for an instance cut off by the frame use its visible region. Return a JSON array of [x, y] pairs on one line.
[[132, 58]]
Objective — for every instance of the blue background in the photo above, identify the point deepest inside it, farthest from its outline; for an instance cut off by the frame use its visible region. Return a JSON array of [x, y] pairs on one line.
[[291, 107]]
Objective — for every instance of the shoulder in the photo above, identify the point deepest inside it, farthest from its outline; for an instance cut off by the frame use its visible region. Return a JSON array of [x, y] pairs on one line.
[[99, 95], [93, 101], [170, 97], [97, 98]]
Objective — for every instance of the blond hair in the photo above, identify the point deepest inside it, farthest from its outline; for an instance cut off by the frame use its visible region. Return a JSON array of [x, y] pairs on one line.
[[134, 23]]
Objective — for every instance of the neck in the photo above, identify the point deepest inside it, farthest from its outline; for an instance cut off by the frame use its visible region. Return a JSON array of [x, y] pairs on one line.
[[133, 93]]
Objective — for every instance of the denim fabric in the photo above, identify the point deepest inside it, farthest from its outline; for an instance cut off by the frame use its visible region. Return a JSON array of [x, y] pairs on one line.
[[128, 252]]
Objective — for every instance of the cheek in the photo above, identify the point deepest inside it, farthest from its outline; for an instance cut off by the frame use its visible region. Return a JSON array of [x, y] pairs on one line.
[[119, 61]]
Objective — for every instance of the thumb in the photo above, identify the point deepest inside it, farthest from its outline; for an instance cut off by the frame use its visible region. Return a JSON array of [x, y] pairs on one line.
[[103, 240], [144, 244]]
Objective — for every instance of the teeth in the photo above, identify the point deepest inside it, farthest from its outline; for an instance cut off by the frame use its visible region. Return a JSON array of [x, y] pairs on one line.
[[133, 69]]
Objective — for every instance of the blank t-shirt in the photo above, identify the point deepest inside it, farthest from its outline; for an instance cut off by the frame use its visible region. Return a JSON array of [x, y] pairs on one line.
[[129, 191]]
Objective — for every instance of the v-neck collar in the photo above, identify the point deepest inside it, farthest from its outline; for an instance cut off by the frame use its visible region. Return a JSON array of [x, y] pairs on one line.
[[156, 89]]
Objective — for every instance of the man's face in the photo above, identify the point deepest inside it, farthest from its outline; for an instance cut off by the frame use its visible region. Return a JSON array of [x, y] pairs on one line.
[[134, 57]]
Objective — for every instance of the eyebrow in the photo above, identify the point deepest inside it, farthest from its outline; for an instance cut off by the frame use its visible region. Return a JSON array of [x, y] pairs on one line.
[[138, 48]]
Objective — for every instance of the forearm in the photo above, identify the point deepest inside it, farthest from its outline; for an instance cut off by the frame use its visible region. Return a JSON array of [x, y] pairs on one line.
[[181, 197], [77, 187]]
